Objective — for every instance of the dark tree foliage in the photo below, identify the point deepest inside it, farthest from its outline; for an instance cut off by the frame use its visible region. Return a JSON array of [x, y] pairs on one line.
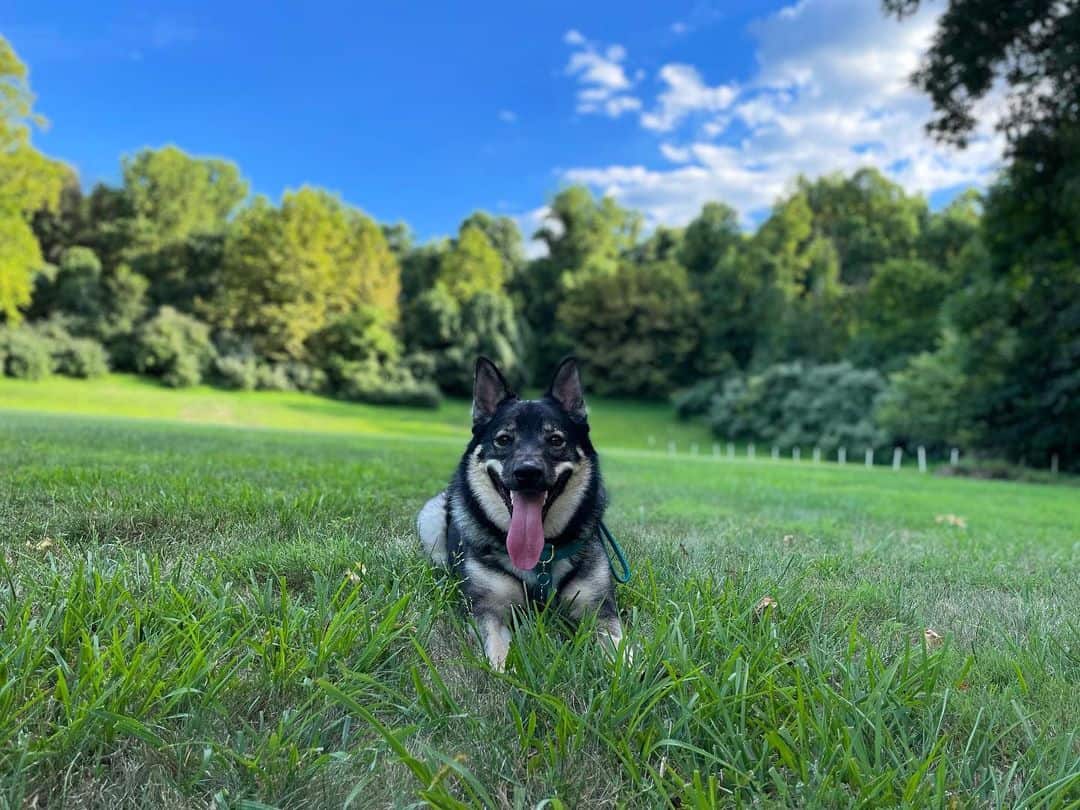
[[1018, 314], [1032, 45]]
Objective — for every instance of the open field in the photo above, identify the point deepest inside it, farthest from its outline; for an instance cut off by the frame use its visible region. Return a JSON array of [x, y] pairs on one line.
[[194, 614], [624, 423]]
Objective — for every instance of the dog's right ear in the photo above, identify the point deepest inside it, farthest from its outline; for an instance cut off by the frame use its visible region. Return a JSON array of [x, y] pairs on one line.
[[490, 390]]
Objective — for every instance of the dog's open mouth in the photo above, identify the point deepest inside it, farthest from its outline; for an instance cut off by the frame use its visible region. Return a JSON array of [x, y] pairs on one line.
[[525, 536]]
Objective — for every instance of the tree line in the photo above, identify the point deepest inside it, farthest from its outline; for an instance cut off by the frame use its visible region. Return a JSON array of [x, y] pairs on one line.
[[852, 316]]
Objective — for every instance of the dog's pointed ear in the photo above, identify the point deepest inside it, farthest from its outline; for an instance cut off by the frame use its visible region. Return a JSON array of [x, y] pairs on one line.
[[566, 388], [490, 389]]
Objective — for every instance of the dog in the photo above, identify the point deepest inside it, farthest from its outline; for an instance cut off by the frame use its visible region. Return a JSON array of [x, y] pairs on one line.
[[518, 523]]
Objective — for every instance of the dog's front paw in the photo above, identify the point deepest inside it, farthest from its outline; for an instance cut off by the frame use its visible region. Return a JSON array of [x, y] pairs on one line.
[[610, 638], [496, 642]]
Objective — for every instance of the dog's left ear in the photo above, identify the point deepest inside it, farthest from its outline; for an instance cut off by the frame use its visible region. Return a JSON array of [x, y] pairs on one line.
[[566, 389]]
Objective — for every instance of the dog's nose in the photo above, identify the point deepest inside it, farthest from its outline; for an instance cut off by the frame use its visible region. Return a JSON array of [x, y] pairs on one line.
[[528, 475]]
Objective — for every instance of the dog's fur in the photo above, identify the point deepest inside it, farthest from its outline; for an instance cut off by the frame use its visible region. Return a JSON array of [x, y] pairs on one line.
[[523, 445]]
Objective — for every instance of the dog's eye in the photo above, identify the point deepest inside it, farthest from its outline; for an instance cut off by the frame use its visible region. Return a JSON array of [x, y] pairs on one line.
[[503, 440], [555, 440]]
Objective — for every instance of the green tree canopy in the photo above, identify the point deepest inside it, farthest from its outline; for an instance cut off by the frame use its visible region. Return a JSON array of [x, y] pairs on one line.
[[173, 195], [28, 181], [287, 272], [637, 327], [471, 266]]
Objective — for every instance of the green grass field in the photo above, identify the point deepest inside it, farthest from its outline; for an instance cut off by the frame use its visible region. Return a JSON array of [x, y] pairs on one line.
[[196, 614]]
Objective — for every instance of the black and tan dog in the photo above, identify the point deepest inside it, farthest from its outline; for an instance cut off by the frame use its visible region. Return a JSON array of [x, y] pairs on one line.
[[518, 522]]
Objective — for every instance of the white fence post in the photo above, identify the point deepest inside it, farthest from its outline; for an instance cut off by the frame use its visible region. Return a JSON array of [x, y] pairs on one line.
[[841, 455], [817, 455], [922, 459], [750, 452], [730, 450], [1054, 463], [897, 454], [870, 457], [954, 456], [775, 453], [795, 453]]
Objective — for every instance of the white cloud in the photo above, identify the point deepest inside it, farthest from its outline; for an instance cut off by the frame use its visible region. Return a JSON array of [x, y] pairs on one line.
[[686, 93], [831, 93], [603, 79], [508, 116], [528, 223]]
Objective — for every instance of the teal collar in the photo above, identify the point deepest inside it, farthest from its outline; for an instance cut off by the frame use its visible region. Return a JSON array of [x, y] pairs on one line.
[[552, 554]]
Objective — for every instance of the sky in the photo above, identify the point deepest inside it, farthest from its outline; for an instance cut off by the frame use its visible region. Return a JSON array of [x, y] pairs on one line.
[[425, 112]]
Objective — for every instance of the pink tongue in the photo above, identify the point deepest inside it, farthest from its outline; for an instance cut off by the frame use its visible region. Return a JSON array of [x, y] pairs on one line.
[[525, 540]]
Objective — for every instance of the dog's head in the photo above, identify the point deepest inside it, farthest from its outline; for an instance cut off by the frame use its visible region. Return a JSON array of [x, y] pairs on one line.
[[535, 455]]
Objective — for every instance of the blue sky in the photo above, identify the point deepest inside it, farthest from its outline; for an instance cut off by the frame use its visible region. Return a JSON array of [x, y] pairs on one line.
[[424, 112]]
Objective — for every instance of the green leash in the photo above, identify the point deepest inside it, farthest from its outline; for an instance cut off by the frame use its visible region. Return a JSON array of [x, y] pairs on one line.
[[551, 554], [611, 544]]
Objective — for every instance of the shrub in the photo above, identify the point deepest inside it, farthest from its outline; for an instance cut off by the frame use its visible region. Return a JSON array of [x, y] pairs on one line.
[[272, 377], [922, 405], [361, 360], [236, 371], [71, 356], [174, 347], [304, 377], [26, 354], [792, 405], [80, 357], [697, 399], [382, 385]]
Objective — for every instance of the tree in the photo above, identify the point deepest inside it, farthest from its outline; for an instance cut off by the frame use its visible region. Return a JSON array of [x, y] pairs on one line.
[[504, 236], [900, 313], [868, 218], [584, 238], [28, 181], [637, 327], [1020, 348], [471, 266], [174, 195], [1031, 45], [287, 272], [713, 238]]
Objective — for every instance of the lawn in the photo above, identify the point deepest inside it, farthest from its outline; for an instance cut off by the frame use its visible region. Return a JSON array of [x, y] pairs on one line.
[[197, 614]]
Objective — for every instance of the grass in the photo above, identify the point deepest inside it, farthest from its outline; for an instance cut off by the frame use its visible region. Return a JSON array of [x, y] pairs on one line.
[[625, 423], [195, 614]]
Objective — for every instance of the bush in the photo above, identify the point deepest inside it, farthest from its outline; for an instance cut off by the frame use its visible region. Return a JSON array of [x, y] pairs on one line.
[[304, 377], [922, 405], [381, 385], [25, 354], [71, 356], [80, 357], [697, 399], [174, 347], [791, 405], [361, 359], [236, 371], [272, 377]]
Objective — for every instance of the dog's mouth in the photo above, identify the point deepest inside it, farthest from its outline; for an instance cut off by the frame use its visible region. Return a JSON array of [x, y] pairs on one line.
[[525, 535]]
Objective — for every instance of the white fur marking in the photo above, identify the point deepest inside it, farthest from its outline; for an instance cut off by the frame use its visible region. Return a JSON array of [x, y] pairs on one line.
[[431, 526], [562, 510], [496, 642], [589, 591], [490, 500], [500, 588]]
